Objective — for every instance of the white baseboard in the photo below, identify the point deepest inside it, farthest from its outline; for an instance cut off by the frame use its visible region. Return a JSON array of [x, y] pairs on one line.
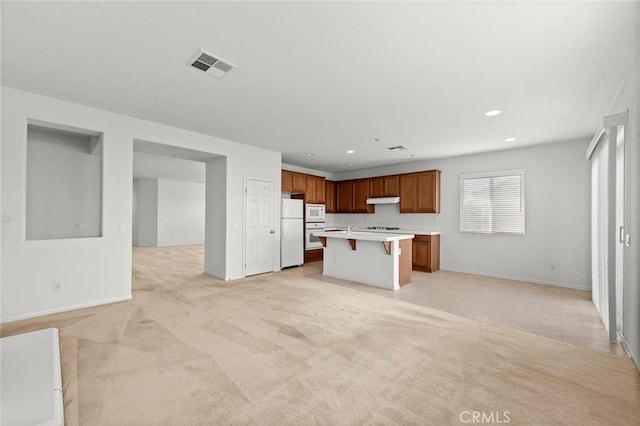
[[65, 309], [627, 347], [523, 279]]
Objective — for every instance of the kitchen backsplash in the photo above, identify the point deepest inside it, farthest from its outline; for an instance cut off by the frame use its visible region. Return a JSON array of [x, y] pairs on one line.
[[386, 215]]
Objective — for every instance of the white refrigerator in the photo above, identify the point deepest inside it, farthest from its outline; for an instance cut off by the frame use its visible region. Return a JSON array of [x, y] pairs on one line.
[[292, 233]]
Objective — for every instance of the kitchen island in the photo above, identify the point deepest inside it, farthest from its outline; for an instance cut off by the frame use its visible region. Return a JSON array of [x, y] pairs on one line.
[[373, 258]]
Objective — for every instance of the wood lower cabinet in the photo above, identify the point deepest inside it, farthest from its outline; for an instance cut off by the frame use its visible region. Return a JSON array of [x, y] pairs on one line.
[[426, 253], [344, 197], [330, 196], [313, 255]]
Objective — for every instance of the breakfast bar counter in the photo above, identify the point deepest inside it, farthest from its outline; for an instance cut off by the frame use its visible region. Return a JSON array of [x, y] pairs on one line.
[[373, 258]]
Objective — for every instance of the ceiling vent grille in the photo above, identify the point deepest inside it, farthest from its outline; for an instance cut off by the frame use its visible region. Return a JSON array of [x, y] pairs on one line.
[[397, 148], [209, 64]]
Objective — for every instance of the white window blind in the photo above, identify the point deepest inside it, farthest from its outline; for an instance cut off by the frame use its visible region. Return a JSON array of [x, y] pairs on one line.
[[492, 203]]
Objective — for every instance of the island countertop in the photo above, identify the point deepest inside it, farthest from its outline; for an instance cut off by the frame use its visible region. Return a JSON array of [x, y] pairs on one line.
[[363, 235], [386, 231]]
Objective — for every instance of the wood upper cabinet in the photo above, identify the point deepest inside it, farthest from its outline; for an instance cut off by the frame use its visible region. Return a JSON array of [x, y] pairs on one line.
[[376, 187], [315, 190], [351, 196], [360, 195], [320, 190], [384, 186], [299, 182], [391, 185], [310, 192], [426, 253], [287, 181], [313, 187], [330, 196], [420, 192], [408, 193], [428, 200], [344, 196]]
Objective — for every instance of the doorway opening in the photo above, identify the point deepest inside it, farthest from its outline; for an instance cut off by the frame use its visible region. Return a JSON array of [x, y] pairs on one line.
[[173, 204]]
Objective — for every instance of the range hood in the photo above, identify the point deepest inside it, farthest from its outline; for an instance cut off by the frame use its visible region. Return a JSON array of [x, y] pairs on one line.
[[383, 200]]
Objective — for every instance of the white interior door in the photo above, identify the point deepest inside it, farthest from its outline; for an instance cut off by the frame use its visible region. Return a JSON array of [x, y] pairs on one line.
[[259, 226]]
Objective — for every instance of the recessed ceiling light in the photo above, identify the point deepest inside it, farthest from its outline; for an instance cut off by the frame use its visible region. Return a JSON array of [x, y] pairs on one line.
[[411, 155], [510, 140], [350, 151], [492, 113], [374, 140], [310, 154], [350, 164]]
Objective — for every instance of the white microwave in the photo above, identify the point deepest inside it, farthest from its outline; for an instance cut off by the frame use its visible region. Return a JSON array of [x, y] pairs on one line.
[[315, 213]]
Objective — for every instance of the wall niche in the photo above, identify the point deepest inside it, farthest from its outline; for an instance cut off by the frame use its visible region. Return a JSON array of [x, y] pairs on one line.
[[64, 182]]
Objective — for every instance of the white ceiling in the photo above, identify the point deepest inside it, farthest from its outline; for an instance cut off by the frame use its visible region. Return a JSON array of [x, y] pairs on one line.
[[324, 77]]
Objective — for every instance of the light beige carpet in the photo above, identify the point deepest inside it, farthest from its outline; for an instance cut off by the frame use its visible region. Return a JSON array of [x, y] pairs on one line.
[[288, 349]]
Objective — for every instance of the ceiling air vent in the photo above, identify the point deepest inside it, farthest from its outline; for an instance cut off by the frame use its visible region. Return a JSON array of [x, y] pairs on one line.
[[397, 148], [209, 64]]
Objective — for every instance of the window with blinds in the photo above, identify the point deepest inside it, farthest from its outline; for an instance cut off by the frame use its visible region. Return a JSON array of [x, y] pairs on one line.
[[492, 203]]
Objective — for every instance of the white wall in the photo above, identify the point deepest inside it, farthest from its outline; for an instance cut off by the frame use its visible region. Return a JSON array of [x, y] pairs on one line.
[[387, 215], [168, 212], [181, 212], [628, 99], [146, 202], [98, 270], [555, 249], [308, 171], [162, 167], [217, 219], [134, 217], [63, 186]]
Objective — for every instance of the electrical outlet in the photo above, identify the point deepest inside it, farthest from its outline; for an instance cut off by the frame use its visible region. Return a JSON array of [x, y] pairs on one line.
[[56, 286], [553, 266]]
